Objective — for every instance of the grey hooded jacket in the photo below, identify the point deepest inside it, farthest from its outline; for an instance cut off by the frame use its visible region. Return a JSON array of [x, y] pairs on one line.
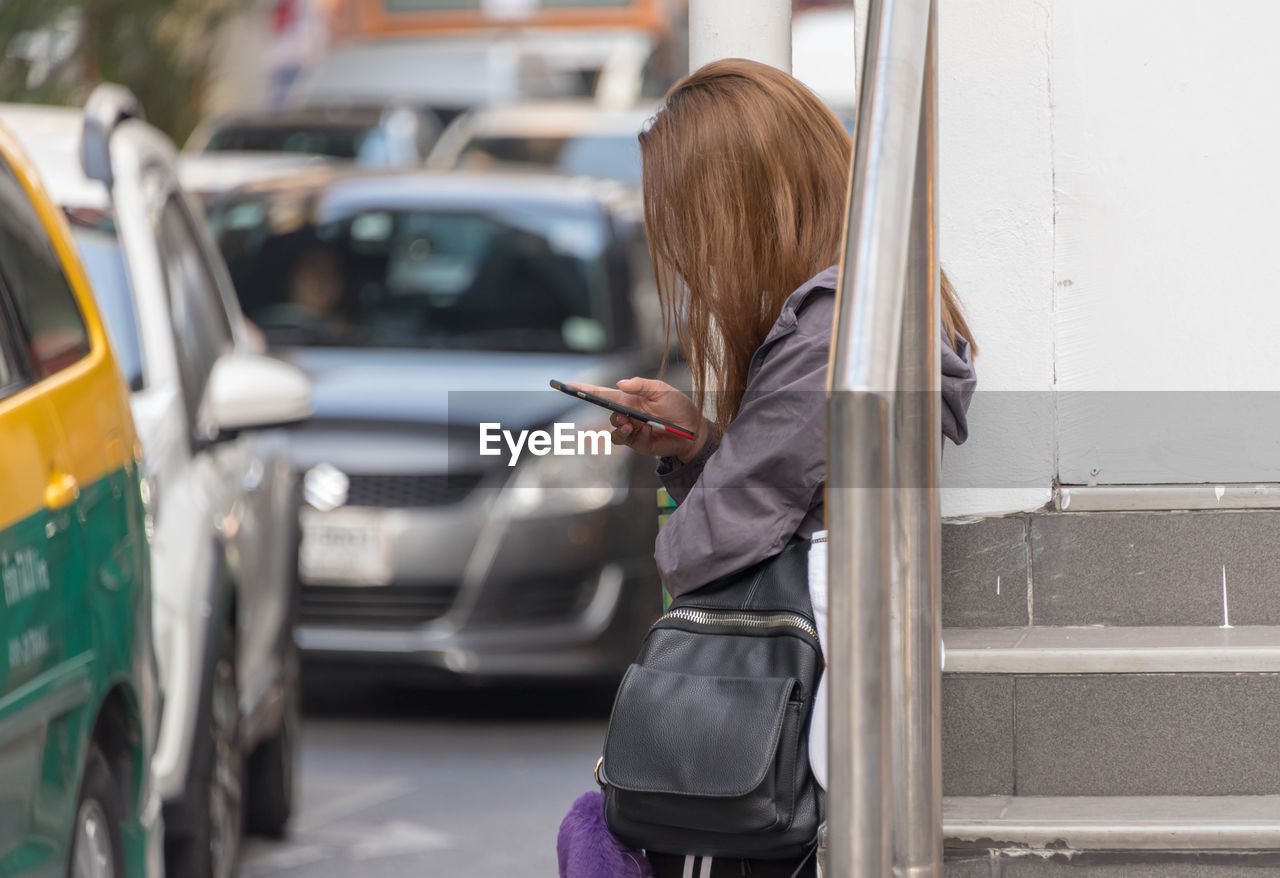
[[747, 493]]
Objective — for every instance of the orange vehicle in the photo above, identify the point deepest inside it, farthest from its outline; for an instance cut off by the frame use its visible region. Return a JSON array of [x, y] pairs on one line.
[[382, 18], [617, 51]]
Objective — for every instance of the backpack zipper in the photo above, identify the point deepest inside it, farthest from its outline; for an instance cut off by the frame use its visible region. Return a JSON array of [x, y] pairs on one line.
[[730, 618]]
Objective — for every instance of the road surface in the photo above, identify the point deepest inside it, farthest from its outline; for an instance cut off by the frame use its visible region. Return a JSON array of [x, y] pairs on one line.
[[402, 782]]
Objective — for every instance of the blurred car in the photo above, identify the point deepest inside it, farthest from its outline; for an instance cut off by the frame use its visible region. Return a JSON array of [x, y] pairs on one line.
[[225, 497], [425, 306], [375, 136], [443, 75], [466, 59], [568, 137], [206, 176], [79, 698]]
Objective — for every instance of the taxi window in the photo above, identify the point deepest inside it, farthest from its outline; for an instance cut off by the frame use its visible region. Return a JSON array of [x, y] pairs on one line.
[[104, 263], [53, 328], [9, 378]]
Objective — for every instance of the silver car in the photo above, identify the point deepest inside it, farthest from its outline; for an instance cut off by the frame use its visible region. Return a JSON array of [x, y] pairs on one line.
[[430, 311], [375, 136], [571, 137]]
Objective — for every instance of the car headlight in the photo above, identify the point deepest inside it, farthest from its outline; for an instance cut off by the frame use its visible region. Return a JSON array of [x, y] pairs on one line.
[[581, 473], [325, 487]]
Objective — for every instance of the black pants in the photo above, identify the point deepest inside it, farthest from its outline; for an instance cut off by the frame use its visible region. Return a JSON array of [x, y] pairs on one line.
[[672, 866]]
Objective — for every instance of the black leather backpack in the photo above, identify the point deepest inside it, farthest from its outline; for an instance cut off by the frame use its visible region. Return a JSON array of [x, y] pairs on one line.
[[707, 750]]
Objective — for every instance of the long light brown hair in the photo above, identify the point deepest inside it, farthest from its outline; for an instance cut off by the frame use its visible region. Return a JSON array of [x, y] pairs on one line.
[[746, 173]]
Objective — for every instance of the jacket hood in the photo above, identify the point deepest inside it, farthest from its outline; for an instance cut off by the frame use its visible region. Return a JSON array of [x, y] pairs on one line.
[[959, 377]]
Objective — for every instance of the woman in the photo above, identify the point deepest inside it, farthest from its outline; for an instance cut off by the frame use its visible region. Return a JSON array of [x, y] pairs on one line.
[[745, 178]]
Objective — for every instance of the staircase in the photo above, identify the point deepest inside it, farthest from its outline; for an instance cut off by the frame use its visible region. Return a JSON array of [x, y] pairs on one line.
[[1111, 695]]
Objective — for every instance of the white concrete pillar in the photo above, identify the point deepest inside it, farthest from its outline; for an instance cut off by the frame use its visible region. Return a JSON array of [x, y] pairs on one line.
[[755, 29]]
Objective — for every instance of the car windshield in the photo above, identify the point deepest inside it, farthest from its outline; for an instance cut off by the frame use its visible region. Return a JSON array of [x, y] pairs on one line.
[[612, 157], [104, 261], [338, 141], [507, 278]]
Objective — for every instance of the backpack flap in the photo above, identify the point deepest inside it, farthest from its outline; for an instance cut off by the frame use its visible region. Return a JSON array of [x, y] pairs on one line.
[[677, 740]]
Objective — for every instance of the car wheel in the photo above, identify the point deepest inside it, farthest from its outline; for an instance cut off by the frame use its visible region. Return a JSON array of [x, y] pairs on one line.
[[218, 780], [271, 769], [95, 839]]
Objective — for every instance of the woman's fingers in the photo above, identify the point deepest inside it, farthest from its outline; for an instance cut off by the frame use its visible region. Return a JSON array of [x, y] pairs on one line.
[[613, 394], [661, 398], [650, 396], [606, 392], [649, 388]]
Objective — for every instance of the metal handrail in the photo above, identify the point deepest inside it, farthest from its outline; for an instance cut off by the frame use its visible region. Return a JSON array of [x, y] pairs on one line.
[[884, 806]]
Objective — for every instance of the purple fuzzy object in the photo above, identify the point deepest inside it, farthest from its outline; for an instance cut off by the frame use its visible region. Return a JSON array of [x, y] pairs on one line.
[[587, 849]]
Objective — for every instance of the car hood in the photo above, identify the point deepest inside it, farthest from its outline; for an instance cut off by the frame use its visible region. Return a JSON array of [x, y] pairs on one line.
[[447, 388]]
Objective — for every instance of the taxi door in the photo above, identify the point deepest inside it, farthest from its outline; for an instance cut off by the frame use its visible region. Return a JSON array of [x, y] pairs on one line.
[[44, 680]]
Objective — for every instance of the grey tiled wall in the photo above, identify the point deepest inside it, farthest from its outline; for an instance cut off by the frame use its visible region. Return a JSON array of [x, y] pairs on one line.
[[1123, 568]]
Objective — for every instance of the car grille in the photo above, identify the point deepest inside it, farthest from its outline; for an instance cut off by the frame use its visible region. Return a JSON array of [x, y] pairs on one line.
[[410, 491], [384, 606]]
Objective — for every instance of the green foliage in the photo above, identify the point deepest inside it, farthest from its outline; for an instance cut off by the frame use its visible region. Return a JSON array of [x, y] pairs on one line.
[[56, 51]]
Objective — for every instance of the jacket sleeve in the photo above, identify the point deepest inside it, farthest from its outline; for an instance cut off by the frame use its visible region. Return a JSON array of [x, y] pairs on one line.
[[679, 477], [959, 379], [755, 488]]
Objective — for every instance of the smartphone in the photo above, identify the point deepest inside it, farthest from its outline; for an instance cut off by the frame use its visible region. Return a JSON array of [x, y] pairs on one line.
[[642, 417]]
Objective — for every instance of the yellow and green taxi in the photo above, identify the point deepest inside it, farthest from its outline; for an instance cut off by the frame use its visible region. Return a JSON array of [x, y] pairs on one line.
[[78, 694]]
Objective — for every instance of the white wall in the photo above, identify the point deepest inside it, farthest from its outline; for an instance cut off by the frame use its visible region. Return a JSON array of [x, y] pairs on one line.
[[1165, 136], [760, 30], [997, 244], [1108, 192]]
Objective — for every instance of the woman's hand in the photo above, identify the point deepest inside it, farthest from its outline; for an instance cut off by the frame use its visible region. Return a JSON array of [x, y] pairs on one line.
[[663, 401]]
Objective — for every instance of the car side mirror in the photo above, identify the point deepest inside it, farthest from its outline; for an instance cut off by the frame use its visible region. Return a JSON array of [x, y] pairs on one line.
[[248, 390]]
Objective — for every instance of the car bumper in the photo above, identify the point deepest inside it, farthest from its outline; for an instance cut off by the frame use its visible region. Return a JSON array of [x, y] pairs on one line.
[[472, 595], [595, 645]]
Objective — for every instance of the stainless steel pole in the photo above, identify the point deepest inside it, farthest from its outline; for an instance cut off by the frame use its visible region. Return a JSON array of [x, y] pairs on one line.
[[915, 607], [858, 795], [860, 454]]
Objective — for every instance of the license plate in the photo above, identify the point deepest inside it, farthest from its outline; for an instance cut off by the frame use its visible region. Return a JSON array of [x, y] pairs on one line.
[[344, 549]]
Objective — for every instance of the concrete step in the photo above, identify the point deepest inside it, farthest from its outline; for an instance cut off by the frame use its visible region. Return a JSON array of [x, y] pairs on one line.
[[1117, 823], [1115, 837], [1118, 865], [1101, 714], [1111, 712], [1100, 650], [1202, 568]]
